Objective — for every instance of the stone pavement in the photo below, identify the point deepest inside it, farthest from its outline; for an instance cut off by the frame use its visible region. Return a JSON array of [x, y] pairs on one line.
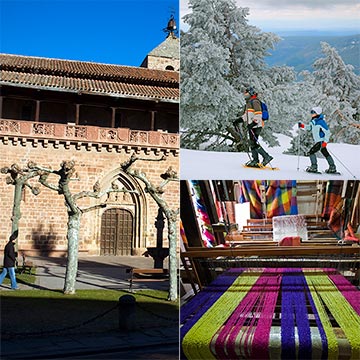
[[95, 272]]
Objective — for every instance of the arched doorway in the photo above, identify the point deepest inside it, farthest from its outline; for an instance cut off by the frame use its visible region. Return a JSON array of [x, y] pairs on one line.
[[116, 232]]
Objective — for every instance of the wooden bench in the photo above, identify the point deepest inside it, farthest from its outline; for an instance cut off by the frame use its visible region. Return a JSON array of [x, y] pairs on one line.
[[135, 271], [26, 267]]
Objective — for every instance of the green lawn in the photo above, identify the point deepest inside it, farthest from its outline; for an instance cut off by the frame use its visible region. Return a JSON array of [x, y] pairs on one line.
[[21, 278], [46, 312]]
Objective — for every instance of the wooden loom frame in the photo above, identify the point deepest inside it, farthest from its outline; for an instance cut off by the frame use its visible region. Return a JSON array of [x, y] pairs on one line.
[[192, 255]]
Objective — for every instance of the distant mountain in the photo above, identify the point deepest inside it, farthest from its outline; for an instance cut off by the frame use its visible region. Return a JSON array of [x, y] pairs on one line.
[[300, 52]]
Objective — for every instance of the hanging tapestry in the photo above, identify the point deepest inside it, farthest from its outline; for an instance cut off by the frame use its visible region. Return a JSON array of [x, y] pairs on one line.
[[333, 204], [273, 313], [280, 197], [202, 216]]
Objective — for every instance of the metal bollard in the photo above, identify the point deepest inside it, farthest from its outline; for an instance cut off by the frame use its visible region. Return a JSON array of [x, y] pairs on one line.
[[127, 312]]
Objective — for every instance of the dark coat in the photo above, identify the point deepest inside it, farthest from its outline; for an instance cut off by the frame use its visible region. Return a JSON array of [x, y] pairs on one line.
[[9, 255]]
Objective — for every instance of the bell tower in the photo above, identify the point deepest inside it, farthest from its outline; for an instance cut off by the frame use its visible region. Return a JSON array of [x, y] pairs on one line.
[[165, 56]]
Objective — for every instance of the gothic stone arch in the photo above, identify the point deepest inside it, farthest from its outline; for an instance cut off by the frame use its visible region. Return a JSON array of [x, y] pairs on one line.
[[122, 210]]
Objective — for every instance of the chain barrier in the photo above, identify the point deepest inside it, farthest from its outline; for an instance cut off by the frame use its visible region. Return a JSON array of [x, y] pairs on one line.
[[49, 332], [61, 329], [157, 315]]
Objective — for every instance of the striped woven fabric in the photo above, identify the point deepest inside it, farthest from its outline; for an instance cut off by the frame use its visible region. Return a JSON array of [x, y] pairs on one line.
[[280, 197], [202, 216], [272, 313]]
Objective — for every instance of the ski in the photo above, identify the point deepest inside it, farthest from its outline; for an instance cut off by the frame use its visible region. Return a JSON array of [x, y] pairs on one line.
[[313, 172], [322, 173], [261, 167]]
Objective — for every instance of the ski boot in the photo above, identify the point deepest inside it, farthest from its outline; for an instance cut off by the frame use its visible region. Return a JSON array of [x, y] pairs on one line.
[[331, 170], [266, 160], [312, 169], [332, 167], [253, 163], [266, 157]]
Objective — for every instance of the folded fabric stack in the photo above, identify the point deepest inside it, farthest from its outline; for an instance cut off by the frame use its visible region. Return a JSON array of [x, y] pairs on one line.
[[272, 313]]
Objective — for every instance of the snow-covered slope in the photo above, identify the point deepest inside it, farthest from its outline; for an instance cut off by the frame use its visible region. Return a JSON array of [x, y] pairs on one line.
[[209, 165]]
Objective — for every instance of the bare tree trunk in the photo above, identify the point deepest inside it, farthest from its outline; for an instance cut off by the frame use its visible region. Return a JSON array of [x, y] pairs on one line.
[[156, 193], [72, 253], [173, 263]]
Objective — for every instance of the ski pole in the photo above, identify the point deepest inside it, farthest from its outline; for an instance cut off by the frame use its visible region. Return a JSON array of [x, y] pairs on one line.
[[331, 153], [298, 150], [245, 141], [257, 141]]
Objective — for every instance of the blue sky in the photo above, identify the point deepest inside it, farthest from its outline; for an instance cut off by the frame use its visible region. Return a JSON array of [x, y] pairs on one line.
[[304, 15], [107, 31]]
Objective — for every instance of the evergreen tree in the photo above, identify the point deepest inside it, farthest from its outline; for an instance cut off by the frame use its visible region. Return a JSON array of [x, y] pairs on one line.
[[335, 87], [220, 55], [338, 93]]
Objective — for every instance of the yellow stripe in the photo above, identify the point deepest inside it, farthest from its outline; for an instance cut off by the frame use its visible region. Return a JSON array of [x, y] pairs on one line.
[[196, 343]]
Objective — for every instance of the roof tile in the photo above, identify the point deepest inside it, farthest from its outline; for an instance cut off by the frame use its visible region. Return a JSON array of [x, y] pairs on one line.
[[89, 77]]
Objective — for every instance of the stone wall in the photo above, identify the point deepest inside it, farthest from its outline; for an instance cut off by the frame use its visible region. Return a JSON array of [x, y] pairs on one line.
[[43, 225], [160, 63]]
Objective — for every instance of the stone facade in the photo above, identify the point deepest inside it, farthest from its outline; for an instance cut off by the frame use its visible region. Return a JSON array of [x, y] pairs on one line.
[[96, 115], [44, 220]]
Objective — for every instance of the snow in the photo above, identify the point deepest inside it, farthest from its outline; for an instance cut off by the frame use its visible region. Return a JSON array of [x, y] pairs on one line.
[[211, 165]]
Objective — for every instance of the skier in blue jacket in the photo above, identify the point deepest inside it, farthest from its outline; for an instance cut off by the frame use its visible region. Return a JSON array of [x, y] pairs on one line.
[[321, 135]]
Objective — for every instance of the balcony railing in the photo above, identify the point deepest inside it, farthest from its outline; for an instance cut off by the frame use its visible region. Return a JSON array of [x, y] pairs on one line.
[[88, 134]]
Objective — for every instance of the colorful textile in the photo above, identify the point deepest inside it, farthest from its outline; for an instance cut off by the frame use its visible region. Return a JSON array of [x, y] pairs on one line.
[[204, 222], [237, 316], [280, 197], [333, 204]]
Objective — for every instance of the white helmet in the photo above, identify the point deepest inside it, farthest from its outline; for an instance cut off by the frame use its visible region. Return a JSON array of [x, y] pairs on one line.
[[316, 110]]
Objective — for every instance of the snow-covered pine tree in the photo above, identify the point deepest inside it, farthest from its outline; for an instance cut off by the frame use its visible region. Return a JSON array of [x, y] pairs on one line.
[[220, 55], [338, 93]]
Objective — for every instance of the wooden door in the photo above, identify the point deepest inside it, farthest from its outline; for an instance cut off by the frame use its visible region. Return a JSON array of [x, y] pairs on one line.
[[116, 232]]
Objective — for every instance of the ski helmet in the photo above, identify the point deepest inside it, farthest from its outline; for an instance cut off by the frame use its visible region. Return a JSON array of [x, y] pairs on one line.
[[316, 110], [250, 90]]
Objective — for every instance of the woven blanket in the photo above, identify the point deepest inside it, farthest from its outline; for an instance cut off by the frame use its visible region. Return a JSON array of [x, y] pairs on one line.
[[280, 197], [286, 313], [202, 216], [333, 204]]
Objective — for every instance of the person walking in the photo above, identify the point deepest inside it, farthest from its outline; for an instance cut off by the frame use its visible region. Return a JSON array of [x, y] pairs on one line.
[[253, 118], [321, 135], [9, 262]]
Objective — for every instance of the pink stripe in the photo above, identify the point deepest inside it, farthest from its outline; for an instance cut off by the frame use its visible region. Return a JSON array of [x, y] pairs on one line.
[[260, 346], [233, 325], [262, 296]]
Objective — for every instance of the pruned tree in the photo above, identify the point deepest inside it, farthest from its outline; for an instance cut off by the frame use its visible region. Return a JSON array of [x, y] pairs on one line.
[[67, 174], [19, 177], [156, 192]]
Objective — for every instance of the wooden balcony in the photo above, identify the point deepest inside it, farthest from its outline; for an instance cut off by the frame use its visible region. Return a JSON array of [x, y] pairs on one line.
[[70, 133]]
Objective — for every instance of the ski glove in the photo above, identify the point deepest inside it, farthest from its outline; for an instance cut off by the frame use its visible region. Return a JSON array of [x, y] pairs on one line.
[[323, 144], [301, 125]]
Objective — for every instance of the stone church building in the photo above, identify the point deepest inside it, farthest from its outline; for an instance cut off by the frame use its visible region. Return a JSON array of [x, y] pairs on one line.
[[97, 115]]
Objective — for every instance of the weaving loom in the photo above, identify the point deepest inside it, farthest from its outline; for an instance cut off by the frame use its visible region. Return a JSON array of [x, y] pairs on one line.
[[273, 313]]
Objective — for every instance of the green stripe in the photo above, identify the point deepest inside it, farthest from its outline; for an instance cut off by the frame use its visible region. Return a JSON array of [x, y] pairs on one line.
[[342, 311], [210, 323]]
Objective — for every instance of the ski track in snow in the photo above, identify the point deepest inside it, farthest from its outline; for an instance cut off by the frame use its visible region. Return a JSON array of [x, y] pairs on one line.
[[210, 165]]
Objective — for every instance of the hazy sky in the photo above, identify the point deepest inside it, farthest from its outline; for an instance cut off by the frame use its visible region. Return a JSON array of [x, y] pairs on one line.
[[270, 15]]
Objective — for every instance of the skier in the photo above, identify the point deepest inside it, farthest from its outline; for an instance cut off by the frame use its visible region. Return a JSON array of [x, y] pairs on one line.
[[321, 134], [253, 118]]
